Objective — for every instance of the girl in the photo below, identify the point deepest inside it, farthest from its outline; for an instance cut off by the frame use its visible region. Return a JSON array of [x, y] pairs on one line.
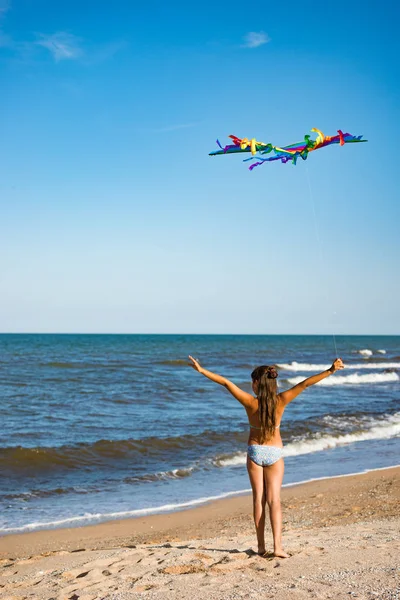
[[265, 464]]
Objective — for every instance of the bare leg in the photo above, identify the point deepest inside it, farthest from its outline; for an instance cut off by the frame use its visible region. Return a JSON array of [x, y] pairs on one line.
[[259, 500], [273, 477]]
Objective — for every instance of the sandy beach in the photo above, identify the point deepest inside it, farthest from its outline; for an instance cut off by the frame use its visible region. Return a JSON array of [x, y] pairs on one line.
[[342, 533]]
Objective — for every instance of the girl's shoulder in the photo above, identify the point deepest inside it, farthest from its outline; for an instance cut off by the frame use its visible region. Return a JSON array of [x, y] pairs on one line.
[[253, 408]]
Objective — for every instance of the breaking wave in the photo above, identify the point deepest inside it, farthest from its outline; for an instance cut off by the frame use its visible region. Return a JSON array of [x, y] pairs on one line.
[[365, 352], [354, 379], [295, 366], [310, 443], [104, 453]]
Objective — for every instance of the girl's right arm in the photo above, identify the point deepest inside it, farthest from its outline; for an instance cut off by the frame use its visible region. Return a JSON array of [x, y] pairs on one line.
[[244, 398], [291, 394]]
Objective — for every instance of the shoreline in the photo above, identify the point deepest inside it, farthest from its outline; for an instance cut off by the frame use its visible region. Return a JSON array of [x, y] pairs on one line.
[[342, 534], [163, 510], [172, 523]]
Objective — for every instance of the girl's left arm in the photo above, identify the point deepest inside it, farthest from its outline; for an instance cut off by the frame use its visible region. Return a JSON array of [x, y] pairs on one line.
[[243, 397]]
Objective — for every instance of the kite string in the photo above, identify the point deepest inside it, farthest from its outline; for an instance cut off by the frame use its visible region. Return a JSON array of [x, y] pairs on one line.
[[320, 248]]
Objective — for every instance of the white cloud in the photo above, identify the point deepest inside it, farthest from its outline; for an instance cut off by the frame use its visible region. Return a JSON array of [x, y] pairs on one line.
[[62, 45], [253, 39]]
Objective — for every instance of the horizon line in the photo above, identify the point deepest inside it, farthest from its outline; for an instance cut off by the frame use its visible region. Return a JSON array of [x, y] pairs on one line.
[[203, 334]]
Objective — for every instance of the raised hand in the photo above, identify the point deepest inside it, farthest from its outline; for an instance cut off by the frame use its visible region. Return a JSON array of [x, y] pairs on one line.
[[336, 365], [195, 364]]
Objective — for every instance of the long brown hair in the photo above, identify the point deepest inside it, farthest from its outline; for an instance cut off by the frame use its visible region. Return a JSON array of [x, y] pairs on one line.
[[267, 397]]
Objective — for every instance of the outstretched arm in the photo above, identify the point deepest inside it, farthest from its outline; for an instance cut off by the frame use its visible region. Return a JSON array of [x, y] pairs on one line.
[[243, 397], [291, 394]]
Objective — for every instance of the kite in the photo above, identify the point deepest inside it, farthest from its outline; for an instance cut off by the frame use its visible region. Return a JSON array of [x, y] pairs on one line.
[[286, 153]]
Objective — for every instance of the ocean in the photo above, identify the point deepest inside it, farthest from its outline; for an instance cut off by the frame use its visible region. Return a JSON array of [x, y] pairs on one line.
[[97, 427]]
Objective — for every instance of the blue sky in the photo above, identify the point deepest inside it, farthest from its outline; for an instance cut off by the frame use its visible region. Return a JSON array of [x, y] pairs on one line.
[[115, 219]]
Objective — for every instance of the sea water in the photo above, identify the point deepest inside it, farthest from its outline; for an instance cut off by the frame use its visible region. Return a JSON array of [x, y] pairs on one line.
[[96, 427]]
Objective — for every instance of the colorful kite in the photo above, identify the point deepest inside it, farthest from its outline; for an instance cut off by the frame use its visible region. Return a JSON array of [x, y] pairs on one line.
[[287, 153]]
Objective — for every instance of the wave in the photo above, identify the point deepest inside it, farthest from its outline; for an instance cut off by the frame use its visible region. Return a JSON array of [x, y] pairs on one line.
[[295, 366], [174, 363], [37, 493], [66, 365], [337, 423], [101, 364], [148, 478], [310, 443], [108, 452], [354, 379], [365, 352], [161, 475]]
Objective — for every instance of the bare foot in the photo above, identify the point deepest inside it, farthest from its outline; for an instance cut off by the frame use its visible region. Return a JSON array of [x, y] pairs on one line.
[[261, 551], [281, 554], [267, 554]]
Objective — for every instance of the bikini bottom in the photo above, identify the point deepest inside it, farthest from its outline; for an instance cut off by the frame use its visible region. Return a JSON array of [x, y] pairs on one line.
[[263, 455]]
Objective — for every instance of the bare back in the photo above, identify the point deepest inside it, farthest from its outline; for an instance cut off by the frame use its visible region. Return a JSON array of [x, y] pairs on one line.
[[255, 425]]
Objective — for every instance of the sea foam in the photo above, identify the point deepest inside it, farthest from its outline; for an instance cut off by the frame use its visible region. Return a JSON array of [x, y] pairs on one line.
[[354, 379], [317, 442], [304, 367], [365, 352]]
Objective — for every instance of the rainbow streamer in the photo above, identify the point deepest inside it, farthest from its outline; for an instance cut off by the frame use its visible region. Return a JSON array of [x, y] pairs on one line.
[[286, 153]]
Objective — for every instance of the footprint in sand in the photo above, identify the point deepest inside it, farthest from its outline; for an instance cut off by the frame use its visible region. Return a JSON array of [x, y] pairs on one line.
[[312, 550]]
